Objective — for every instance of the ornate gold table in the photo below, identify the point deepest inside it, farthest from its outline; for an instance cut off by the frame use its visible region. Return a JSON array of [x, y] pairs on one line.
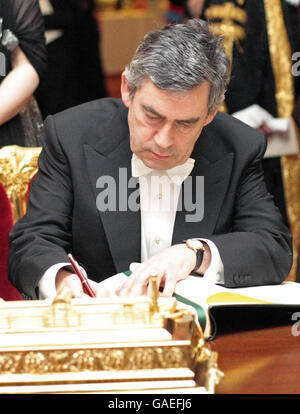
[[140, 345]]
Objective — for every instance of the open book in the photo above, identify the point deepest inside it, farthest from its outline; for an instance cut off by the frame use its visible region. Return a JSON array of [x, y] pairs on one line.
[[217, 305], [240, 308]]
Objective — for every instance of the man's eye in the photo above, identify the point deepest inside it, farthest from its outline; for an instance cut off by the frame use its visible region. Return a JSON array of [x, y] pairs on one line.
[[152, 118], [184, 125]]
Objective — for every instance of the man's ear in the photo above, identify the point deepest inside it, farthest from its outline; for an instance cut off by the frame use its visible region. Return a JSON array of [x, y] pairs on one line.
[[125, 92], [211, 116]]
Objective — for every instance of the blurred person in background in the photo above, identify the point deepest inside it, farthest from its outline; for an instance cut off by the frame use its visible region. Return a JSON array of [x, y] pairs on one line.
[[22, 63], [175, 12], [74, 73], [252, 85]]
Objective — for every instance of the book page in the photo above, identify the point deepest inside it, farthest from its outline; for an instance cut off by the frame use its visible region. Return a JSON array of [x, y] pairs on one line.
[[112, 283], [197, 289], [207, 294]]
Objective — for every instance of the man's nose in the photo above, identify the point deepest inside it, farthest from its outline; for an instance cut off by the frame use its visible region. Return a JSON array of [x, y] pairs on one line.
[[163, 137]]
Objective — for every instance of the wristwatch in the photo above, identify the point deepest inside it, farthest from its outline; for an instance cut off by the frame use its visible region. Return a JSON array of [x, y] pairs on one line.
[[198, 248]]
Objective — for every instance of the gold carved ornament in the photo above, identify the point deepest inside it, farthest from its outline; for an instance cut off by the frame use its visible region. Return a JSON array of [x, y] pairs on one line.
[[98, 346], [18, 166], [281, 58]]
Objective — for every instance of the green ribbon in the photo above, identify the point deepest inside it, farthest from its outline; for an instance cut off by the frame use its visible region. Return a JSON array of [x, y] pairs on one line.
[[201, 314]]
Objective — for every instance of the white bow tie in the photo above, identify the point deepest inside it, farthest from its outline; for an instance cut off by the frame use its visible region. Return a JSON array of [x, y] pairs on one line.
[[177, 174]]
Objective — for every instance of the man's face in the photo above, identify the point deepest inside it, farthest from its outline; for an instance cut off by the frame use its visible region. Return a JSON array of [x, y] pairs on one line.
[[164, 125]]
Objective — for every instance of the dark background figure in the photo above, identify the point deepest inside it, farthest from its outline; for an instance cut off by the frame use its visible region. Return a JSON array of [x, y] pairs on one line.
[[252, 78], [175, 12], [75, 71], [23, 63]]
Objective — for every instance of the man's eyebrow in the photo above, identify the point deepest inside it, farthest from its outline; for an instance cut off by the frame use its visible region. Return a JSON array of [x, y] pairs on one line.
[[189, 120], [152, 111], [183, 121]]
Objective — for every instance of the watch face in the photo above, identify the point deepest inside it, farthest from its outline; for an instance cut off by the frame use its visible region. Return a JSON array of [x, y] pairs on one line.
[[195, 244]]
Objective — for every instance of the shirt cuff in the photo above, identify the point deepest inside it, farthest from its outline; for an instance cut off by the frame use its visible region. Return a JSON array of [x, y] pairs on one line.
[[215, 271], [46, 285]]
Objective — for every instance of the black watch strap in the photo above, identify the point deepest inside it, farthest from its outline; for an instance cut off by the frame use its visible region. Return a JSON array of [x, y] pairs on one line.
[[199, 259]]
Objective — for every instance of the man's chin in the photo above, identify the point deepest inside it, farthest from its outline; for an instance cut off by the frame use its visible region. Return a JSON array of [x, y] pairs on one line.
[[159, 164]]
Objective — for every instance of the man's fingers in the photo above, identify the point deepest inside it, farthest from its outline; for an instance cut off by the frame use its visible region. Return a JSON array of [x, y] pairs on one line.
[[134, 266], [138, 282], [79, 295], [70, 281], [168, 266], [133, 287], [99, 290], [169, 288], [73, 283]]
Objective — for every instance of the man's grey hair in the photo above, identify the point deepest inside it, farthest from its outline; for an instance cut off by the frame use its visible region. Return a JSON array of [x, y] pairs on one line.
[[179, 57]]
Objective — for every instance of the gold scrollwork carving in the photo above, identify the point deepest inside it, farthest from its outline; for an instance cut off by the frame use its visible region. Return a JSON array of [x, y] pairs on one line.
[[18, 165], [62, 361], [226, 11]]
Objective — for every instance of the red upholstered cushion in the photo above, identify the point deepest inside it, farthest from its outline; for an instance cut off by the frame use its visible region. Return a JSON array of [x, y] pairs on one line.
[[7, 290]]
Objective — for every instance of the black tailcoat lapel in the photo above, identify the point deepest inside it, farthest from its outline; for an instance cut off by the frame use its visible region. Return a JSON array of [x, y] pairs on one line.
[[122, 228], [110, 156], [215, 166]]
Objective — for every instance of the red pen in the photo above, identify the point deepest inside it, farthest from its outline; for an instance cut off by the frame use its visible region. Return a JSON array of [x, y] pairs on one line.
[[85, 284]]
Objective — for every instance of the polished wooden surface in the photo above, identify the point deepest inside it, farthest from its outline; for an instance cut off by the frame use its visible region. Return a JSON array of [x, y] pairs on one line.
[[259, 361]]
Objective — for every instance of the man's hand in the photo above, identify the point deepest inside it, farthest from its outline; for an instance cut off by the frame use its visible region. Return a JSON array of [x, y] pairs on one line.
[[264, 129], [170, 265], [72, 281]]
